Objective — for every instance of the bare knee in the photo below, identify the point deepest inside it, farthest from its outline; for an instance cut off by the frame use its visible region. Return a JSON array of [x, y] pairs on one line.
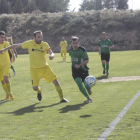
[[103, 61], [35, 88], [56, 83], [3, 82], [6, 79]]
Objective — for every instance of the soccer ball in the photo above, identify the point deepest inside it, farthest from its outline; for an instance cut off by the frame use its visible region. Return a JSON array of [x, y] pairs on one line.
[[90, 81]]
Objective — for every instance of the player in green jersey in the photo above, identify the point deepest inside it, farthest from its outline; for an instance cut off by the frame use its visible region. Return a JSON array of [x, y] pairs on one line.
[[79, 60], [104, 47]]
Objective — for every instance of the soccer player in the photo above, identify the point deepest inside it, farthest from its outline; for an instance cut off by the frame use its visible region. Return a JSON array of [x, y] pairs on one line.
[[5, 67], [14, 53], [63, 46], [38, 66], [79, 60], [104, 47]]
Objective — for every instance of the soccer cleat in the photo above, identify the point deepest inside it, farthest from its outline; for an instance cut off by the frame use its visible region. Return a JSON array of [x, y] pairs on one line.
[[88, 101], [39, 96], [7, 96], [11, 96], [104, 71], [89, 92], [64, 101], [14, 73], [107, 73]]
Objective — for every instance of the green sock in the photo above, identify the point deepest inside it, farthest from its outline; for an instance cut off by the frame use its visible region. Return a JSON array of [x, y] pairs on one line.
[[81, 87], [103, 66], [12, 67], [107, 67], [88, 88]]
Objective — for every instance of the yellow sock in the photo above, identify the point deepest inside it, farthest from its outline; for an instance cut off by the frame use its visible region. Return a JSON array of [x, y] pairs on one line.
[[8, 87], [64, 56], [4, 87], [59, 90], [38, 90]]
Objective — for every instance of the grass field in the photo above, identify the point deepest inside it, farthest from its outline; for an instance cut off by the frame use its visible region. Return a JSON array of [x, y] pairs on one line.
[[27, 118]]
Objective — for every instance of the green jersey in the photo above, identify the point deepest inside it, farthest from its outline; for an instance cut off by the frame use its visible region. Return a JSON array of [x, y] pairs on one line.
[[78, 56], [104, 45]]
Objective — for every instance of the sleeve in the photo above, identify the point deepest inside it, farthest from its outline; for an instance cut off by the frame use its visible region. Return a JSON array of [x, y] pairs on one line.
[[110, 43], [46, 46], [25, 45], [84, 55]]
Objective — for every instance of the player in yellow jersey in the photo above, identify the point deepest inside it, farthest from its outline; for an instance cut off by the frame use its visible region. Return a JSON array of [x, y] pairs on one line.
[[38, 65], [63, 46], [5, 67]]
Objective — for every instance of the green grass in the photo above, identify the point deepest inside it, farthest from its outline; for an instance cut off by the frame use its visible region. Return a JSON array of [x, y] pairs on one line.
[[27, 118]]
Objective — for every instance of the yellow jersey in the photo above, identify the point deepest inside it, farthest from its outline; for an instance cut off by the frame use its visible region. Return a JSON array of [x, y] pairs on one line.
[[37, 53], [63, 45], [4, 58]]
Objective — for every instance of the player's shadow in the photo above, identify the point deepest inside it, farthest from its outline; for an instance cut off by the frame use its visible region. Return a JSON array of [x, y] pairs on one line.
[[3, 101], [85, 116], [30, 109], [102, 77], [71, 108]]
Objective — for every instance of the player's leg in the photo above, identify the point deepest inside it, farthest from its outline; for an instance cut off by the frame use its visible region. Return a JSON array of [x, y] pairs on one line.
[[7, 82], [62, 55], [103, 62], [107, 63], [65, 55], [14, 71], [49, 76], [8, 87], [59, 91], [79, 83], [36, 75]]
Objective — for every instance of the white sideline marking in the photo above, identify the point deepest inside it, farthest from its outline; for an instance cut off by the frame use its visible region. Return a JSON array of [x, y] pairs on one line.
[[106, 133]]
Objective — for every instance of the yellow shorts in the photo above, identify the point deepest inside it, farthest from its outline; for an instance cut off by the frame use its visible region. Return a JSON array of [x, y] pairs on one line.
[[45, 72], [63, 51], [4, 72]]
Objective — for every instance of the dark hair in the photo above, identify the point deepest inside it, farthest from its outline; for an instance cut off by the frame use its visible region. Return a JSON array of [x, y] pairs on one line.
[[2, 33], [37, 32], [74, 38]]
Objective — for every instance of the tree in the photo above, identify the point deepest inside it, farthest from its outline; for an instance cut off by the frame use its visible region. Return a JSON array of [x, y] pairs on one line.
[[122, 4], [18, 9], [108, 4], [91, 5], [4, 6]]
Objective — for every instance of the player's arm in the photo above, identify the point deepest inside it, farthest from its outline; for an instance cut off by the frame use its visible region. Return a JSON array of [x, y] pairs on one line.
[[10, 47], [110, 47], [82, 64], [51, 54]]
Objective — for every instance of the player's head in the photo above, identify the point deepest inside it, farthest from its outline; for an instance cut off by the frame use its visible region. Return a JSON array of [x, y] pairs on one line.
[[2, 37], [38, 37], [104, 35], [63, 38], [75, 41]]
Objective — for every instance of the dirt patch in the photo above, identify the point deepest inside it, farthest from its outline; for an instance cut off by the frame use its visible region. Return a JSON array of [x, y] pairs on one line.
[[116, 79]]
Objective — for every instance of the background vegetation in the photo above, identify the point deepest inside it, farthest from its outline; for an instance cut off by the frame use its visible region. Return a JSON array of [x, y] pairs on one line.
[[122, 27]]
